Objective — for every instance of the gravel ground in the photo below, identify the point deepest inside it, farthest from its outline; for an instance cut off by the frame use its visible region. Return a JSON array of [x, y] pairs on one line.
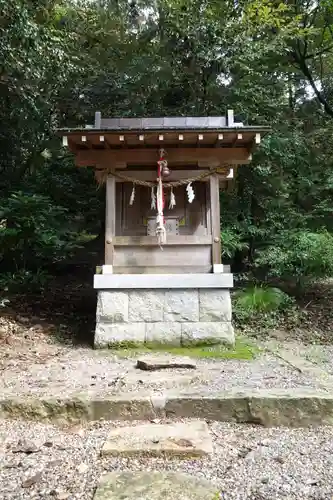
[[320, 355], [248, 462], [78, 369]]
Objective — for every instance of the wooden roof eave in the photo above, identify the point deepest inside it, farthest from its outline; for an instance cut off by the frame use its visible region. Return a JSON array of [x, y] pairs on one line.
[[78, 139]]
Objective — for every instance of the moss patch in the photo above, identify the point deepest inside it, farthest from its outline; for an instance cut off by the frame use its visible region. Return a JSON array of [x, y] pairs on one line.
[[243, 349]]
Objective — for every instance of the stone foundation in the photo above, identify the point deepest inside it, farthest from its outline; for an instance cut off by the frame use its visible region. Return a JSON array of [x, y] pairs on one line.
[[166, 316]]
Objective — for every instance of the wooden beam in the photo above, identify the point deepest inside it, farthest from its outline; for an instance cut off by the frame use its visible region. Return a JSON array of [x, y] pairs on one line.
[[171, 240], [110, 219], [85, 142], [175, 175], [238, 138], [163, 269], [218, 142], [104, 142], [176, 156], [215, 218]]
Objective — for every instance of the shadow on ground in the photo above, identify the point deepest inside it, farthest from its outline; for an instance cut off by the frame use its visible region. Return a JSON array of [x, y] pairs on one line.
[[68, 302]]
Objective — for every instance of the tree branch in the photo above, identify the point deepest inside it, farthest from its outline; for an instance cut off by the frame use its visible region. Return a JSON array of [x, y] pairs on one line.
[[319, 52], [307, 73]]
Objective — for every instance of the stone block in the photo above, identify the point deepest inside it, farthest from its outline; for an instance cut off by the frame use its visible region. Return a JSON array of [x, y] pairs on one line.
[[145, 305], [215, 305], [154, 485], [293, 408], [226, 407], [180, 439], [163, 333], [162, 281], [181, 305], [112, 307], [161, 362], [122, 407], [117, 334], [207, 333]]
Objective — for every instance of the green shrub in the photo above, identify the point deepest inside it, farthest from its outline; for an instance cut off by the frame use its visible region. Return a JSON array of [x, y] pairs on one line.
[[298, 255], [231, 243], [256, 303], [23, 279], [33, 233]]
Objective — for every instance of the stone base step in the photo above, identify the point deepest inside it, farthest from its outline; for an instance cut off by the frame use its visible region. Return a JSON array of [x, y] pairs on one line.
[[154, 486], [300, 407], [178, 439]]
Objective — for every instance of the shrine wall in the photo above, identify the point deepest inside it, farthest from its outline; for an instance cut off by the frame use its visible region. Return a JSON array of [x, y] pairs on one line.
[[184, 219]]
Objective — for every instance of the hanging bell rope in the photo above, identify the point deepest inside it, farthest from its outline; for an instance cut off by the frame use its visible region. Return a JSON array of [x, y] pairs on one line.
[[160, 222]]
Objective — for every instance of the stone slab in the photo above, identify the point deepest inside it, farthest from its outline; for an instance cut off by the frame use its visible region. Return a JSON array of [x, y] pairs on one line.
[[113, 334], [145, 305], [180, 439], [268, 407], [112, 307], [181, 305], [215, 305], [154, 485], [122, 407], [226, 407], [164, 281], [207, 333], [164, 362], [164, 333], [325, 379]]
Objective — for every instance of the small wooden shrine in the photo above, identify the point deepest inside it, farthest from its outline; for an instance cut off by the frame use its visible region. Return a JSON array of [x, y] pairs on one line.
[[163, 278]]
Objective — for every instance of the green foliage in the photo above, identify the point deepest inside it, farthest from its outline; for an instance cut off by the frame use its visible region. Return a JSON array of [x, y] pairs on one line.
[[254, 303], [32, 281], [303, 255], [33, 232], [62, 61], [231, 243]]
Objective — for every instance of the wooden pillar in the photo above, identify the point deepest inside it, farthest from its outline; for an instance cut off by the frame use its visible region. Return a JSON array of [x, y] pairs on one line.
[[215, 218], [110, 219]]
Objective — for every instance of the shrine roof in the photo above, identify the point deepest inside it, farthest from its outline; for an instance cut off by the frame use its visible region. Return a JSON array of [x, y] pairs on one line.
[[166, 123], [209, 131]]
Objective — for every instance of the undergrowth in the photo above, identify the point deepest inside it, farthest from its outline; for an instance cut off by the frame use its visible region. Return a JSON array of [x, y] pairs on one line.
[[262, 308]]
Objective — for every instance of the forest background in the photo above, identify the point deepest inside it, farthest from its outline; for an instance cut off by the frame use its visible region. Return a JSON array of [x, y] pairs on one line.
[[270, 61]]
